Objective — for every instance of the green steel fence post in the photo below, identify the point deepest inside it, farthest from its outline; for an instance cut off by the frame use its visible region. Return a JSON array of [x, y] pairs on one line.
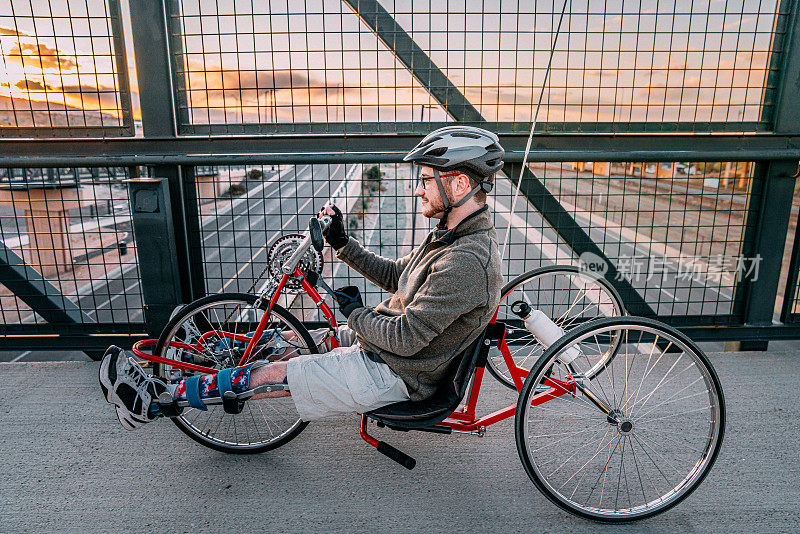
[[769, 224], [156, 249], [121, 64], [187, 257], [149, 36], [790, 290]]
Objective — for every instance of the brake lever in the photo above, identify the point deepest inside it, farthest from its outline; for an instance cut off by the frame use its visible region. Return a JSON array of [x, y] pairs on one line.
[[327, 288]]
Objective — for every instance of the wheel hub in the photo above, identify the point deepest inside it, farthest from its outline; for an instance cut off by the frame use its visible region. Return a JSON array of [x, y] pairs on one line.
[[624, 425]]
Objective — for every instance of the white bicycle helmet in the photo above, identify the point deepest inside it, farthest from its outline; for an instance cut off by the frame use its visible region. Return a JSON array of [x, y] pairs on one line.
[[475, 151]]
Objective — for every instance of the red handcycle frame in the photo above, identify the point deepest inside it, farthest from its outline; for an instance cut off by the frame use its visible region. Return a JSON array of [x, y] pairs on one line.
[[463, 419]]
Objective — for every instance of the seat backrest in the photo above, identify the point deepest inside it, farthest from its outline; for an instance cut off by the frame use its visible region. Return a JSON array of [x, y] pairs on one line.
[[464, 365]]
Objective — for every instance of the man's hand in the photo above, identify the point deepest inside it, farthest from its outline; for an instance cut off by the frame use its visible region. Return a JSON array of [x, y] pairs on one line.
[[334, 234], [348, 298]]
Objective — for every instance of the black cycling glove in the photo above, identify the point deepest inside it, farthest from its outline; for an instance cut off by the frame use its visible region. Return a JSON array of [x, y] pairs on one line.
[[334, 233], [349, 299]]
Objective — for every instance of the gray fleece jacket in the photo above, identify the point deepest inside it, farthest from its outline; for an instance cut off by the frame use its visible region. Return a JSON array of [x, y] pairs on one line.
[[443, 294]]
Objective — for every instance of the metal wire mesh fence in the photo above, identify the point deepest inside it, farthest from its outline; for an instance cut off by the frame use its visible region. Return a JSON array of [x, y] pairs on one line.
[[63, 69], [676, 234], [69, 233], [352, 66], [679, 239]]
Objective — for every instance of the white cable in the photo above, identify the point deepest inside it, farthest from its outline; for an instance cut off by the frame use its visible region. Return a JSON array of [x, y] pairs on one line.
[[533, 127]]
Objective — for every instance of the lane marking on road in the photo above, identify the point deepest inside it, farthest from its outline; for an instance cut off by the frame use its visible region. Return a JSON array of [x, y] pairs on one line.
[[18, 358], [548, 247], [616, 232], [647, 246], [94, 285], [215, 217], [91, 288], [350, 189], [247, 232], [229, 207], [275, 235], [124, 292], [119, 272]]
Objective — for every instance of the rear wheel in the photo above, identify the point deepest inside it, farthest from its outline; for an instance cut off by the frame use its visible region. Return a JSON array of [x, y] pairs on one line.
[[565, 294], [263, 424], [634, 440]]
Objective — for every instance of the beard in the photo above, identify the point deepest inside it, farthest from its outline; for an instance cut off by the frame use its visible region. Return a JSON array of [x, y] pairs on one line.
[[434, 208]]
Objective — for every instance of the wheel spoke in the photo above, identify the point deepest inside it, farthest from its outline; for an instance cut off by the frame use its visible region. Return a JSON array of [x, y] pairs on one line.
[[568, 299]]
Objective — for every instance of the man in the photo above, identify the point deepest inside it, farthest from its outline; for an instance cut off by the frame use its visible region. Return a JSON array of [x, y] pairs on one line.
[[443, 295]]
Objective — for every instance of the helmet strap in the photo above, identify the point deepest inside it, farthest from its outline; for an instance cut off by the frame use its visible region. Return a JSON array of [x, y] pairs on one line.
[[445, 200], [442, 192]]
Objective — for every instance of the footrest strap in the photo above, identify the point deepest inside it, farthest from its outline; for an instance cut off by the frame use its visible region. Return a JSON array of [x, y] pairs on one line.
[[193, 392]]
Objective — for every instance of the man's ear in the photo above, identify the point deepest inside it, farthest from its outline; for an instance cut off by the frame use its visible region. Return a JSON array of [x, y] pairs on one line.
[[463, 179]]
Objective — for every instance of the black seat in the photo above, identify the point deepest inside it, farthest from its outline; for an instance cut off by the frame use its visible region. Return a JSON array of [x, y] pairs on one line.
[[435, 409]]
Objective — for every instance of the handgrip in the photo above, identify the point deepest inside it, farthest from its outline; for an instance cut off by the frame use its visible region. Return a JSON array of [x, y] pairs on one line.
[[398, 456], [315, 230]]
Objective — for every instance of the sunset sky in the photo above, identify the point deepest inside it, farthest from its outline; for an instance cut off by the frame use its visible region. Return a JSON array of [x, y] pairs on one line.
[[260, 61]]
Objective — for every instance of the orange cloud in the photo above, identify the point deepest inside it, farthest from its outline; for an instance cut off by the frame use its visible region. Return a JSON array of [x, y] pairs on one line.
[[41, 56], [33, 85], [9, 31]]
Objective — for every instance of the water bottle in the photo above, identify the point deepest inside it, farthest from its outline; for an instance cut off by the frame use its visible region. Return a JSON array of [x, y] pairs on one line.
[[544, 329]]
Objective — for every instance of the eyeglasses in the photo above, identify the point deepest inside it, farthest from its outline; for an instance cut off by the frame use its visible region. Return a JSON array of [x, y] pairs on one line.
[[425, 179]]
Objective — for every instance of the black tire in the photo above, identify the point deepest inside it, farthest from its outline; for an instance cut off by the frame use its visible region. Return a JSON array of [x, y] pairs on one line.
[[188, 421], [698, 421], [538, 286]]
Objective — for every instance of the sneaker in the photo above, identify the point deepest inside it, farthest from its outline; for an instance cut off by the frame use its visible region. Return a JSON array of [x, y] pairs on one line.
[[129, 388]]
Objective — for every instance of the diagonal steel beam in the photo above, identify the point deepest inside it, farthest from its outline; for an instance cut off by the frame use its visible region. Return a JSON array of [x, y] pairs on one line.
[[576, 237], [43, 297], [415, 60]]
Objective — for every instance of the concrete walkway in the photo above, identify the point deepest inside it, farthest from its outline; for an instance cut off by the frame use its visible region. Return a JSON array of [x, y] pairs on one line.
[[68, 466]]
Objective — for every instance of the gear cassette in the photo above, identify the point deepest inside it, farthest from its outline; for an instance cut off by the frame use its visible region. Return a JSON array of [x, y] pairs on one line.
[[282, 249]]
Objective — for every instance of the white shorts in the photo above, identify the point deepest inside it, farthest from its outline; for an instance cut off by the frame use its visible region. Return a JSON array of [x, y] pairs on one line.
[[343, 380]]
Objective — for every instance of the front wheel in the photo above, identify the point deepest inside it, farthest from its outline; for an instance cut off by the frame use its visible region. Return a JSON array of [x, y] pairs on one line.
[[263, 424], [634, 440]]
